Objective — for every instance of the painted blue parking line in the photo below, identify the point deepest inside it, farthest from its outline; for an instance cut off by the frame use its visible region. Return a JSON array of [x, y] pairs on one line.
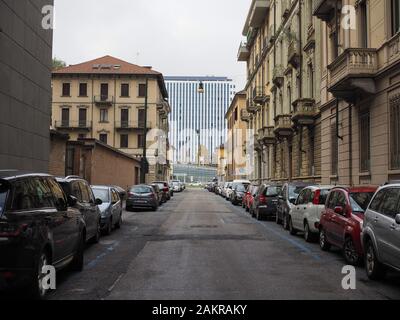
[[96, 260]]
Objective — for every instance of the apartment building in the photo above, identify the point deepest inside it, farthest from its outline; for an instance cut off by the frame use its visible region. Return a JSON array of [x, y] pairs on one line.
[[360, 93], [106, 99], [323, 90], [235, 155], [25, 85], [283, 90]]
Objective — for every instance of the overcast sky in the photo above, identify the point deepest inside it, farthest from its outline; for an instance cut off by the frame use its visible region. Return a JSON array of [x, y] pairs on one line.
[[176, 37]]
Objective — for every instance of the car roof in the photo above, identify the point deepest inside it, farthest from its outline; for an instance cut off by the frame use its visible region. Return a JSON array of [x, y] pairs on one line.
[[102, 187], [320, 187], [356, 189], [300, 184], [14, 174]]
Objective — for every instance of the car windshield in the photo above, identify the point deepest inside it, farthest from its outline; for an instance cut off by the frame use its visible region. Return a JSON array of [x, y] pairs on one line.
[[273, 191], [101, 194], [141, 190], [360, 200], [240, 188], [294, 191], [175, 183]]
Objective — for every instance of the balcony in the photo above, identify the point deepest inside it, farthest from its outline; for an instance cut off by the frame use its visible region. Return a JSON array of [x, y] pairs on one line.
[[293, 54], [351, 75], [243, 52], [271, 34], [251, 107], [304, 112], [277, 76], [258, 13], [131, 125], [257, 145], [267, 136], [259, 95], [244, 115], [283, 126], [251, 35], [104, 100], [325, 9], [80, 125]]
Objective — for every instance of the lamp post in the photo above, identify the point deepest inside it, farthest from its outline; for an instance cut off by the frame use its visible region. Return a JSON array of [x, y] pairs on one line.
[[200, 90], [144, 166]]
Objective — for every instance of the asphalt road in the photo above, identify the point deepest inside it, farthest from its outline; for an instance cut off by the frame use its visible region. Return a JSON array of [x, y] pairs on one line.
[[199, 247]]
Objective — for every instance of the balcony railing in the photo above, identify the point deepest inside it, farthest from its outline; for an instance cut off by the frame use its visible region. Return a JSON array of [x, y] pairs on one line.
[[267, 135], [352, 73], [293, 54], [324, 9], [259, 95], [283, 125], [243, 52], [251, 107], [277, 76], [73, 125], [131, 125], [104, 99], [305, 111]]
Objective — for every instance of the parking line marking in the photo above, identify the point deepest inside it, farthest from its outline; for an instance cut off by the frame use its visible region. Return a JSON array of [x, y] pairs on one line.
[[115, 283], [94, 262]]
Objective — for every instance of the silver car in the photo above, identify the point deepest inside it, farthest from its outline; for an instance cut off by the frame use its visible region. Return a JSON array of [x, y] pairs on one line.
[[381, 232], [110, 209]]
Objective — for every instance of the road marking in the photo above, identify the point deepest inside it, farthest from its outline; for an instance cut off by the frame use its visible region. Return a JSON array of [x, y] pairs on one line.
[[115, 283], [96, 260]]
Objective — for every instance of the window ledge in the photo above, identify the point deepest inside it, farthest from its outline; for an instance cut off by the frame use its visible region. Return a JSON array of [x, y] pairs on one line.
[[364, 174], [333, 177], [394, 171]]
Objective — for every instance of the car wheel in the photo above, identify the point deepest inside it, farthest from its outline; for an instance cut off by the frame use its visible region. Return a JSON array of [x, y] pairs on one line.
[[154, 208], [285, 222], [97, 236], [308, 236], [323, 242], [37, 290], [292, 230], [375, 270], [109, 227], [258, 215], [78, 262], [277, 218], [350, 253], [119, 223]]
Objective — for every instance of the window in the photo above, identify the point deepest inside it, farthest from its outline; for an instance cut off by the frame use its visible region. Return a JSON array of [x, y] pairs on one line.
[[363, 29], [124, 141], [65, 117], [58, 193], [365, 142], [141, 116], [334, 149], [31, 194], [341, 200], [76, 191], [395, 132], [359, 201], [83, 89], [85, 192], [301, 198], [311, 80], [124, 118], [125, 90], [332, 200], [82, 117], [376, 203], [142, 90], [66, 89], [395, 16], [389, 205], [103, 115], [140, 141], [103, 137], [104, 91]]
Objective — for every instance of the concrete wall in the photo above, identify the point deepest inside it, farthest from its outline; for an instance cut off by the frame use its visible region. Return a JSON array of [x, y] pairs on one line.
[[25, 85]]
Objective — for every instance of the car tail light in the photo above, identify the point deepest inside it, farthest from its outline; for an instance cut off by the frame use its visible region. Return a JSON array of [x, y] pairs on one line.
[[316, 197], [263, 199], [166, 189], [11, 231]]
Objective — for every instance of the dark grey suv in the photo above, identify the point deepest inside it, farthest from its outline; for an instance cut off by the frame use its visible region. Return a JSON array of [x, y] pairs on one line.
[[381, 232]]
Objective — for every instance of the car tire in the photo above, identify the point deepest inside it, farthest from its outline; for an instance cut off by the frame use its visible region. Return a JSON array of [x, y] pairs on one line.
[[308, 236], [154, 208], [323, 242], [285, 222], [350, 254], [78, 261], [374, 269], [258, 215], [119, 223], [109, 227], [292, 230], [277, 220], [36, 289]]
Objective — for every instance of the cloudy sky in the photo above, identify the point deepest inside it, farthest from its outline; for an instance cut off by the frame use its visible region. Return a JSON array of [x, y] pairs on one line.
[[176, 37]]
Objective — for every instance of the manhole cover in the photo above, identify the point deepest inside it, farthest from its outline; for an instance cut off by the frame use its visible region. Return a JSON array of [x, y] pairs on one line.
[[204, 226]]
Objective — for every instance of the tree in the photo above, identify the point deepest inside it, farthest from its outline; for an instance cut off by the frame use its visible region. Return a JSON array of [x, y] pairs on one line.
[[57, 63]]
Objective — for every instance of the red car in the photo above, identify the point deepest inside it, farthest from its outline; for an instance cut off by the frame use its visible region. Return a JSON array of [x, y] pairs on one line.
[[341, 221], [249, 197]]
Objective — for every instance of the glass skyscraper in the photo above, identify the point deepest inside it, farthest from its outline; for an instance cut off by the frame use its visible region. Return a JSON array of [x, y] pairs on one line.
[[197, 120]]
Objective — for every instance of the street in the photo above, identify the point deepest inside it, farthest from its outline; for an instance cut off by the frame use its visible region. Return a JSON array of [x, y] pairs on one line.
[[199, 246]]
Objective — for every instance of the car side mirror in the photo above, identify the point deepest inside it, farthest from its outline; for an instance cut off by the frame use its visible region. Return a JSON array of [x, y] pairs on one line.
[[98, 202], [293, 200], [339, 210], [72, 201], [397, 219]]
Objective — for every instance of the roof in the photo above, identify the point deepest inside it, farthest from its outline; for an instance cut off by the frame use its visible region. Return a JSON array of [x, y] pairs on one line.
[[106, 65], [234, 100], [109, 65]]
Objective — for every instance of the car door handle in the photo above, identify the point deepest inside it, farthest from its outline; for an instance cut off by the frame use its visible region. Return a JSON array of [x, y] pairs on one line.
[[393, 227], [376, 219]]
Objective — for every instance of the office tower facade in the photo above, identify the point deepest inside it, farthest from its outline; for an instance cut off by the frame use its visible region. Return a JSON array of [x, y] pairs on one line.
[[197, 118]]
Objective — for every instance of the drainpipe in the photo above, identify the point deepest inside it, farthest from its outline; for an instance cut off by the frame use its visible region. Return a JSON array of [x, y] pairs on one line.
[[350, 106]]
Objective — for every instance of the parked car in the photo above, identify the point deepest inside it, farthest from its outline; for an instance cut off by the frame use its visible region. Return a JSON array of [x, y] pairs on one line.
[[265, 201], [252, 191], [87, 203], [177, 186], [381, 232], [110, 209], [159, 193], [229, 190], [164, 187], [342, 218], [171, 189], [287, 198], [306, 213], [237, 193], [121, 191], [223, 190], [142, 197], [39, 226]]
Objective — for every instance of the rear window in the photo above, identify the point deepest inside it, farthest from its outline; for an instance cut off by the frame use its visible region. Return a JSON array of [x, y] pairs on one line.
[[102, 194], [359, 201], [323, 196], [294, 192], [272, 191], [3, 195], [141, 190], [240, 188]]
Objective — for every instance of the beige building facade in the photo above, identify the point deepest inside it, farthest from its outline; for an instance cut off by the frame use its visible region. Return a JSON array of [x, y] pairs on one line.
[[105, 99], [323, 90]]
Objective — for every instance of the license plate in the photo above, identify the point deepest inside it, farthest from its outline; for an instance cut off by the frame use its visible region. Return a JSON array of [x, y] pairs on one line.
[[141, 201]]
